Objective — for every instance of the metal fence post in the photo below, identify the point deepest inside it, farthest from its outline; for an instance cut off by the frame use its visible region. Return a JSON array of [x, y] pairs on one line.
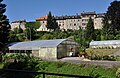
[[43, 75]]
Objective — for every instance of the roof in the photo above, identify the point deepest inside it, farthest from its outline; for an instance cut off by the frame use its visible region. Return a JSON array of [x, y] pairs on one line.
[[35, 45], [107, 42], [10, 44], [42, 18], [19, 21], [88, 13], [67, 17]]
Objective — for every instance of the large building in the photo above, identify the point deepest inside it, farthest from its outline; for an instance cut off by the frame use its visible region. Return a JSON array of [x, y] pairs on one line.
[[74, 22], [17, 24], [97, 19]]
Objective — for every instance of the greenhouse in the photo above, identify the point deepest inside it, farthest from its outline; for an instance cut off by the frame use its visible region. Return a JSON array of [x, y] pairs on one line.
[[47, 49], [109, 44]]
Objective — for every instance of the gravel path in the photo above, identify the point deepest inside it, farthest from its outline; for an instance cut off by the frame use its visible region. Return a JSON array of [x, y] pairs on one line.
[[79, 60]]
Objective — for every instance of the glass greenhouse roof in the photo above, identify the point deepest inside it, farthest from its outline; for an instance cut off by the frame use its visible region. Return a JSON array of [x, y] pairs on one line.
[[35, 45], [108, 42]]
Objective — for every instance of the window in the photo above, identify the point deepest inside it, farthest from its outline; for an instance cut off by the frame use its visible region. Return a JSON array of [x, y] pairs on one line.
[[74, 24], [83, 23]]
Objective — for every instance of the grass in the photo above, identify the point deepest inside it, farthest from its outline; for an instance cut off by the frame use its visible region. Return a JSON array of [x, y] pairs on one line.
[[76, 69]]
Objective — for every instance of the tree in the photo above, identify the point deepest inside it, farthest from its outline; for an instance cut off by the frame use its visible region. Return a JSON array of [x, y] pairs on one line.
[[90, 30], [51, 22], [112, 19], [20, 30], [37, 24], [30, 31], [98, 34], [13, 36], [4, 28]]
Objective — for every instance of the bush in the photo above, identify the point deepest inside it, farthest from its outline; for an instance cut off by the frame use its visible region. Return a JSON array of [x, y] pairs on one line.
[[97, 57], [118, 73], [20, 62], [110, 58]]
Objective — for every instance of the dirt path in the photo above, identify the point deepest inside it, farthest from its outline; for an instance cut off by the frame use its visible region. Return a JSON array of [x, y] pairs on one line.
[[79, 60]]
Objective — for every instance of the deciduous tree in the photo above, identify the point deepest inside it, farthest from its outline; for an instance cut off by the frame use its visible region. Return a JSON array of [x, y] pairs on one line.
[[112, 19]]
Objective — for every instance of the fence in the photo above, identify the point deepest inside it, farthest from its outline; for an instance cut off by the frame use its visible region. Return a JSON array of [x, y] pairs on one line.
[[44, 74]]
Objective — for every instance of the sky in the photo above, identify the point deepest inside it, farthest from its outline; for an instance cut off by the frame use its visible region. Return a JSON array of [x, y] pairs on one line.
[[29, 10]]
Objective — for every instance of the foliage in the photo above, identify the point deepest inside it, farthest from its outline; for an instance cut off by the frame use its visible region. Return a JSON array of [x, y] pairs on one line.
[[1, 65], [112, 20], [51, 22], [4, 28], [30, 31], [100, 52], [37, 24], [20, 62], [47, 36], [90, 35], [16, 35], [98, 34], [34, 25], [76, 69], [118, 73], [20, 30], [4, 25], [96, 57], [34, 64]]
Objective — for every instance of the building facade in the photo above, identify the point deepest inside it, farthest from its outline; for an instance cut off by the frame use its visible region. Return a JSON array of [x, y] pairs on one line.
[[43, 23], [17, 24], [74, 22]]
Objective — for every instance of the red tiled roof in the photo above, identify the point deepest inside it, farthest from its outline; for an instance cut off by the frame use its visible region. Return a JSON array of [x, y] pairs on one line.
[[42, 18]]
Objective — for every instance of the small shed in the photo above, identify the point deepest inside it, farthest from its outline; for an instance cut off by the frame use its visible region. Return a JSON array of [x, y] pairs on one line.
[[109, 44], [47, 49]]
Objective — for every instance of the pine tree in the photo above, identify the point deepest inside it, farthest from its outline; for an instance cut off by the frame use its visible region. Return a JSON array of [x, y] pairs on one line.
[[90, 30], [51, 22], [55, 25], [4, 27]]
